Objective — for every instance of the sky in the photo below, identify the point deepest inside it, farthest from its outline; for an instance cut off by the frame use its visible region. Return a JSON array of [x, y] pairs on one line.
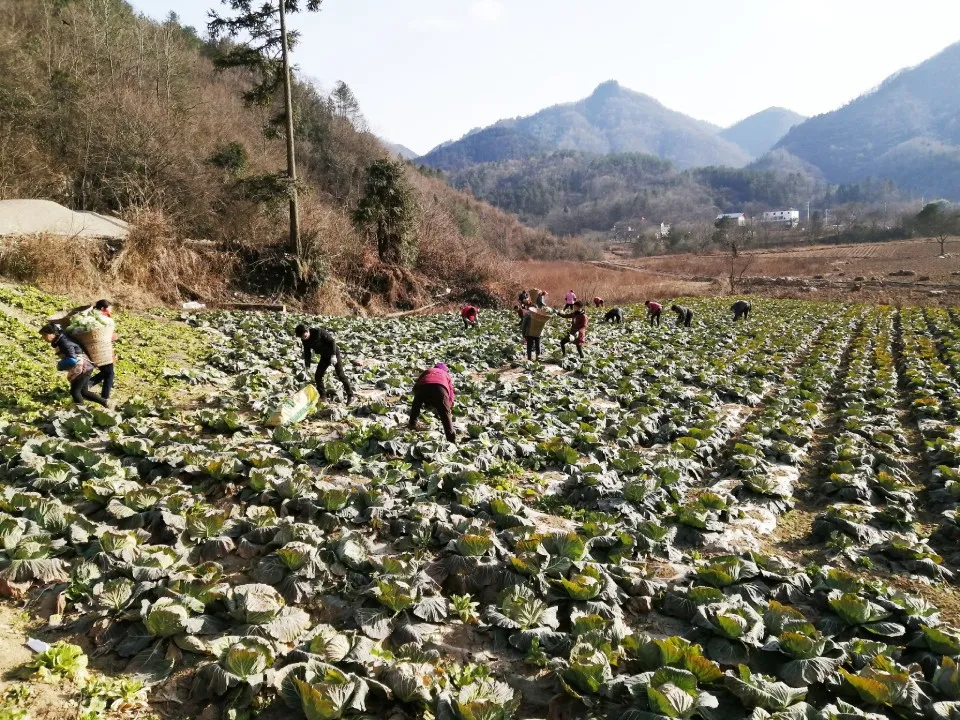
[[427, 71]]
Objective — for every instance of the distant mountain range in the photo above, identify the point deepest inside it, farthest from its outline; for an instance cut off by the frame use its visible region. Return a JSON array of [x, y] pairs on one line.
[[612, 119], [758, 133], [906, 130], [618, 156], [401, 150]]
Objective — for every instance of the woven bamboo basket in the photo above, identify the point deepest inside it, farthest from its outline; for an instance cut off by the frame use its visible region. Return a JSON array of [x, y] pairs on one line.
[[97, 344], [537, 322]]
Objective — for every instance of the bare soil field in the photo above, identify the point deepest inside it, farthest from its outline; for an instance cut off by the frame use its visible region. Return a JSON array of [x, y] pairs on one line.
[[908, 271], [613, 281]]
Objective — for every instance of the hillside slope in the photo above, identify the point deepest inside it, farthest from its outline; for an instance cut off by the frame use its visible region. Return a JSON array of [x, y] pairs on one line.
[[571, 192], [761, 131], [401, 150], [907, 130], [105, 111], [612, 119]]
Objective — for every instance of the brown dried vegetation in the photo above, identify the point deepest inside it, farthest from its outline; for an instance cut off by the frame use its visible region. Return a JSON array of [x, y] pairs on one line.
[[103, 110]]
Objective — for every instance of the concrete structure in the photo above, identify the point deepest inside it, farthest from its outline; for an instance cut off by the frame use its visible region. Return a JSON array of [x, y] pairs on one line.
[[738, 219], [44, 217], [786, 218]]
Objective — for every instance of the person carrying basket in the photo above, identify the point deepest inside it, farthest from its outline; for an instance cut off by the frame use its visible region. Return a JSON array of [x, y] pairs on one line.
[[93, 328], [531, 328], [75, 363]]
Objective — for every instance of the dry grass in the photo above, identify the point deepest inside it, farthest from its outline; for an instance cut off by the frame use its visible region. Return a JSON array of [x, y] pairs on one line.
[[866, 259], [54, 263], [154, 260], [589, 281], [718, 265]]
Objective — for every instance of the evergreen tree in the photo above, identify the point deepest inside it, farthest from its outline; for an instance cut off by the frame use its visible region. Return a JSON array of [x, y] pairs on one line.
[[387, 208], [345, 103]]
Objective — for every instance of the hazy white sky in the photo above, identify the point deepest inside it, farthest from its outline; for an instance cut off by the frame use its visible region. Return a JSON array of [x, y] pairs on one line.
[[426, 71]]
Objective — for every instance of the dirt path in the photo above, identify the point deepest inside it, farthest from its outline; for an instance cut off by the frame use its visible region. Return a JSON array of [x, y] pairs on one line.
[[45, 701]]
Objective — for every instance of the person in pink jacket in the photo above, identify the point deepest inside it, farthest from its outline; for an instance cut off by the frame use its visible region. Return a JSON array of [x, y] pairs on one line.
[[434, 388], [570, 298]]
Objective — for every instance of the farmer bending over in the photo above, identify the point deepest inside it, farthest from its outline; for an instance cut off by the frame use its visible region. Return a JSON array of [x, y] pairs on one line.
[[322, 342], [741, 309], [598, 302], [75, 363], [578, 329], [614, 315], [434, 388], [653, 312], [470, 316], [684, 315]]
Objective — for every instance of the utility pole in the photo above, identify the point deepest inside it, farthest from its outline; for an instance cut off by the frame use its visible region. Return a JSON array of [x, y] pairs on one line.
[[808, 212], [291, 154]]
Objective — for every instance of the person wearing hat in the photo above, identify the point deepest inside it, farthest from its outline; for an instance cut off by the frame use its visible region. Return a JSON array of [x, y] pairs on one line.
[[578, 329], [322, 342], [542, 299], [434, 388]]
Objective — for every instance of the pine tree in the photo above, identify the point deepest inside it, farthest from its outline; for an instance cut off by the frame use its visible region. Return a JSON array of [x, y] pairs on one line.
[[388, 208]]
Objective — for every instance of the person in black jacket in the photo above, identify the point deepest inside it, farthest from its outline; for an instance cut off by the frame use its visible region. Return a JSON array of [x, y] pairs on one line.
[[322, 342], [684, 315], [76, 364], [741, 309]]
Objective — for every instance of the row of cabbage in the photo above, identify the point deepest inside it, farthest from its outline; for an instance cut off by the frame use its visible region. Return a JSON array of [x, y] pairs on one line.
[[934, 394], [151, 571], [867, 466]]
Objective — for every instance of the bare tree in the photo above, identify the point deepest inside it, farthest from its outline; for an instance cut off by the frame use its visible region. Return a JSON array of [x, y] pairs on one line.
[[936, 220], [737, 265]]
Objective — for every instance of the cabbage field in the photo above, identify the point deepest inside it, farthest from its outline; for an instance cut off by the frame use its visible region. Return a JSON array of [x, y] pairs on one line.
[[753, 520]]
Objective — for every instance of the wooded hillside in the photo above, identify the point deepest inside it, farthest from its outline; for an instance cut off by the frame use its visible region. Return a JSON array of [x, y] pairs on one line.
[[106, 111], [906, 130]]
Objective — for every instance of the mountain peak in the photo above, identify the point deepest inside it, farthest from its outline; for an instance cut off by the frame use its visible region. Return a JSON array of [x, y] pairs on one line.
[[761, 131], [610, 88], [614, 119]]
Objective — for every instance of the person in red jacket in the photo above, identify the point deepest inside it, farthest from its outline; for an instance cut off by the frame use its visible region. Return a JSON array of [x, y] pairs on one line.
[[578, 329], [598, 302], [470, 316], [653, 312], [434, 388]]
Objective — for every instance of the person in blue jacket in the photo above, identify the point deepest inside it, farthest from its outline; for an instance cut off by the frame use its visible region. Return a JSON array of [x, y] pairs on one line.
[[74, 362]]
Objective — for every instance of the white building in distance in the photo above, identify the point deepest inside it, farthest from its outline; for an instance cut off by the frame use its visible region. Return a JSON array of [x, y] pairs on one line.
[[786, 218], [738, 219]]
